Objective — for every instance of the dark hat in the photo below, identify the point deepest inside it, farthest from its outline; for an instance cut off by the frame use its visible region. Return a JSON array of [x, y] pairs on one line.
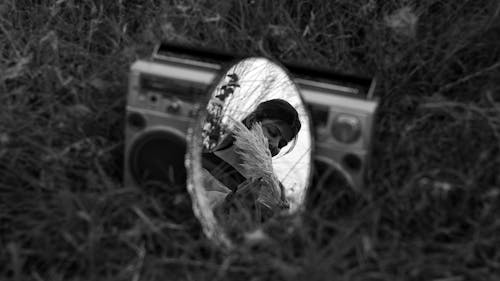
[[281, 110]]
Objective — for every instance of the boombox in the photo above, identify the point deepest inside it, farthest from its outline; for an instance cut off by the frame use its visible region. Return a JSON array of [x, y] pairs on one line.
[[167, 91]]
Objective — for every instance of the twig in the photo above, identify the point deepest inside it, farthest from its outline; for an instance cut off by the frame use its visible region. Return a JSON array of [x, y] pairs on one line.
[[205, 264], [226, 264], [9, 38], [468, 77], [141, 253], [471, 108]]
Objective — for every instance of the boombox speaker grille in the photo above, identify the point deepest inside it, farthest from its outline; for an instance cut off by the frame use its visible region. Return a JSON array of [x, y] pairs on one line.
[[157, 157]]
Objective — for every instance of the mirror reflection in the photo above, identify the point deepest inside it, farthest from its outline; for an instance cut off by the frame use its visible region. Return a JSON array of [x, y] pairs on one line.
[[256, 154]]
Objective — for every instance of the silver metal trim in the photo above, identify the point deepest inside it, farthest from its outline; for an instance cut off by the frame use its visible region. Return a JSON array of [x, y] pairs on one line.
[[326, 86], [337, 101], [188, 61], [201, 74]]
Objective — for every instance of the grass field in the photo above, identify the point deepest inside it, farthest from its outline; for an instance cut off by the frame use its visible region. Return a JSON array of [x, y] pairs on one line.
[[431, 207]]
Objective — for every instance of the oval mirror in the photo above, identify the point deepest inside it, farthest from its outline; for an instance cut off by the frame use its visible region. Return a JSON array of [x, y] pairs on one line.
[[249, 154]]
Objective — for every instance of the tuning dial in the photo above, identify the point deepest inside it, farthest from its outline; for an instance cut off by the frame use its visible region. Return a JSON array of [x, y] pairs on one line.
[[174, 107]]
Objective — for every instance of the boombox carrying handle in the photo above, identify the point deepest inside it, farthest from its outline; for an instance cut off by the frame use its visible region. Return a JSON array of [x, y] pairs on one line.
[[297, 70], [202, 54]]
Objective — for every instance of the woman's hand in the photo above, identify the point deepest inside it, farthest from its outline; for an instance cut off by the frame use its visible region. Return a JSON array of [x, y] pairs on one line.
[[250, 185]]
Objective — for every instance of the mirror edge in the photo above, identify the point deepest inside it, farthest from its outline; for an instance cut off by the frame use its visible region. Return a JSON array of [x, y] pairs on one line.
[[193, 156]]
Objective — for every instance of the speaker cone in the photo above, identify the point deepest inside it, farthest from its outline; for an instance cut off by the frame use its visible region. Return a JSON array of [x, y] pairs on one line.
[[157, 157]]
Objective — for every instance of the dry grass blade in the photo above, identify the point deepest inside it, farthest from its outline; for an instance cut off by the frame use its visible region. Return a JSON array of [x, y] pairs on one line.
[[253, 148], [432, 213], [466, 78]]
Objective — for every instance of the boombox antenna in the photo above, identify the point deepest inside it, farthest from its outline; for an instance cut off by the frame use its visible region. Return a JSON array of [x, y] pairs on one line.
[[371, 91]]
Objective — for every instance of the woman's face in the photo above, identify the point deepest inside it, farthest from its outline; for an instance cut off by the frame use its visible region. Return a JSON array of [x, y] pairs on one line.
[[278, 134]]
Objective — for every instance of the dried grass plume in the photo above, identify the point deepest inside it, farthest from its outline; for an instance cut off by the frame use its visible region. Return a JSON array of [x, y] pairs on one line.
[[253, 148]]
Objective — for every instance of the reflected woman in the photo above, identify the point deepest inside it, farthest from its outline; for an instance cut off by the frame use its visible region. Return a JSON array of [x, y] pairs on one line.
[[227, 178]]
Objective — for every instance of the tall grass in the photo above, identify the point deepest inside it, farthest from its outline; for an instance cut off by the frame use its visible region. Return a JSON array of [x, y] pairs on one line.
[[429, 208]]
